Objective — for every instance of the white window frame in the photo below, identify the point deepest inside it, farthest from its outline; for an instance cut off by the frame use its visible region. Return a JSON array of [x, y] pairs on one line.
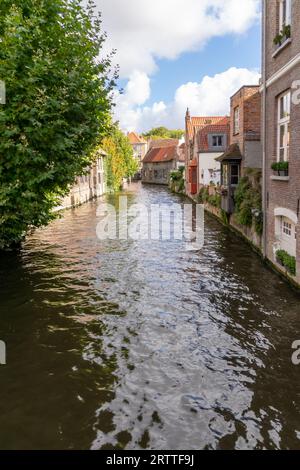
[[236, 120], [285, 13], [217, 136], [283, 152], [286, 228]]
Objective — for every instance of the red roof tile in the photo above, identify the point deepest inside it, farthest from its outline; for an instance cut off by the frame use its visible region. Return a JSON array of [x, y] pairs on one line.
[[161, 154], [223, 127], [194, 124], [163, 143], [135, 139]]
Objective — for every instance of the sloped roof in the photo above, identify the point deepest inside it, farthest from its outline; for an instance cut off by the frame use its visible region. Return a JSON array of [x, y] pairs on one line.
[[158, 143], [194, 124], [222, 127], [134, 138], [232, 153], [161, 154]]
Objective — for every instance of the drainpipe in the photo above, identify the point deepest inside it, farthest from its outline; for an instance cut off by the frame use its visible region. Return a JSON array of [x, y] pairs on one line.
[[264, 125]]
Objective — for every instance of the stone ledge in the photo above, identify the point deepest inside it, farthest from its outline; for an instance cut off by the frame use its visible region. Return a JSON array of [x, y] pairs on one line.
[[280, 178], [283, 46]]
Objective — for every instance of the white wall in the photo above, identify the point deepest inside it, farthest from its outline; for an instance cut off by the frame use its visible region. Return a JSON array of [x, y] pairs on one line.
[[209, 169]]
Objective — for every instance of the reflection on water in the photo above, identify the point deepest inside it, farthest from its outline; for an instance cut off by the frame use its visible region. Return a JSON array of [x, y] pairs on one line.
[[144, 344]]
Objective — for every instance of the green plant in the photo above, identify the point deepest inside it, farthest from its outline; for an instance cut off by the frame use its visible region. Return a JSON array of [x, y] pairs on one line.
[[286, 260], [177, 175], [285, 33], [248, 202], [280, 166], [203, 195], [120, 162], [57, 108], [215, 200], [224, 217]]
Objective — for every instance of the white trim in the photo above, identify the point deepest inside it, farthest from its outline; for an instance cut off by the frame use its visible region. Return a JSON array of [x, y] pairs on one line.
[[283, 212], [286, 68]]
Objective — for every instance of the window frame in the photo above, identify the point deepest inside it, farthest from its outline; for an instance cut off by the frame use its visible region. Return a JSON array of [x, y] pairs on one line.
[[285, 13], [283, 122], [236, 120]]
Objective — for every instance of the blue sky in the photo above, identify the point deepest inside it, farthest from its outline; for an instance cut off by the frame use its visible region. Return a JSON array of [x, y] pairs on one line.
[[175, 54], [217, 55]]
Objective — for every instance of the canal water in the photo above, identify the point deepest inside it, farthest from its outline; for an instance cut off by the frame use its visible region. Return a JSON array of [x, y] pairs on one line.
[[145, 345]]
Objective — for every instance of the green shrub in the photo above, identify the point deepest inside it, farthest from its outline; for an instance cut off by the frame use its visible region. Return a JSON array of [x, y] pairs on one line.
[[248, 203], [286, 260], [280, 166]]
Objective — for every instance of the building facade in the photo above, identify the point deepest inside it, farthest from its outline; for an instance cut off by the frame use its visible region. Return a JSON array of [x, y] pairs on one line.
[[139, 146], [212, 143], [281, 134], [244, 150], [162, 158], [193, 125], [88, 186]]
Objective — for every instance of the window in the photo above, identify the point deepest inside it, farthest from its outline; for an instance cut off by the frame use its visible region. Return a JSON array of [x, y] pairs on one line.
[[99, 178], [236, 123], [285, 13], [217, 140], [234, 175], [287, 228], [225, 175], [284, 113]]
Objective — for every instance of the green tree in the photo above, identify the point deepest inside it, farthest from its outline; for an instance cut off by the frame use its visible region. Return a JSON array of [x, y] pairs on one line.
[[164, 133], [57, 106], [120, 162]]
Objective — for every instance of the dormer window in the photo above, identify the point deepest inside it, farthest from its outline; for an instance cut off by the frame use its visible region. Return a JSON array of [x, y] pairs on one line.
[[217, 141]]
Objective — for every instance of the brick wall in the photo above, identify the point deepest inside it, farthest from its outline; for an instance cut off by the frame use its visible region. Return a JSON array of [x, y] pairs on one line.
[[282, 194], [248, 100]]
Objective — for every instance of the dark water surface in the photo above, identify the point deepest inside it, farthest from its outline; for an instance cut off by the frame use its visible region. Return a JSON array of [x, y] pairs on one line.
[[145, 345]]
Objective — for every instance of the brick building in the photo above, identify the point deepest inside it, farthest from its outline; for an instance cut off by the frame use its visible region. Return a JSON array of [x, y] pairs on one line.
[[192, 127], [244, 150], [88, 186], [162, 158], [212, 141], [281, 133], [139, 146]]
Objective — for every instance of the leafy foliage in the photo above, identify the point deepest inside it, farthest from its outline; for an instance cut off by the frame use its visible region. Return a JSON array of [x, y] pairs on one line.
[[164, 133], [212, 199], [58, 106], [120, 162], [177, 182], [248, 202], [286, 260]]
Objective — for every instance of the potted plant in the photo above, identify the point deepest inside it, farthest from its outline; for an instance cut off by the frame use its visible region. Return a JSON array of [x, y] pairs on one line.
[[282, 168], [284, 34]]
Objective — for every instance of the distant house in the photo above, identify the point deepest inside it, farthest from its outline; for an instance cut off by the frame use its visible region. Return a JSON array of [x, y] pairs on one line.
[[181, 156], [139, 145], [88, 186], [162, 158], [193, 125], [212, 142], [244, 149]]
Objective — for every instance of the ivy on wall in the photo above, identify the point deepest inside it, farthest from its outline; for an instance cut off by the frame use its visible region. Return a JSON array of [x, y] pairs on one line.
[[248, 201]]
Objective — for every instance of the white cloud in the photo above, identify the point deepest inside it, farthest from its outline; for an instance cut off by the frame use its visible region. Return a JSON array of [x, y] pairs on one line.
[[209, 97], [143, 30]]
